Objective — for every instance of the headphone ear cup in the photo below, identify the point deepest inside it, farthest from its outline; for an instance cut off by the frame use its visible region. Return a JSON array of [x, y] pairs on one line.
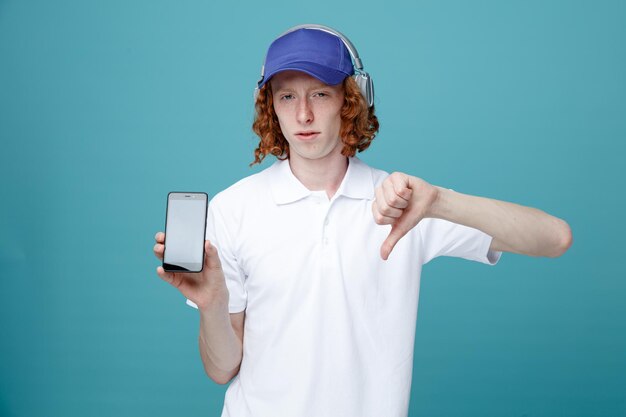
[[366, 85]]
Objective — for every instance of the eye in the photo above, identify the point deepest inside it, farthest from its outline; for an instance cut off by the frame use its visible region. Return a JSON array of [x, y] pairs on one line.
[[286, 97], [320, 94]]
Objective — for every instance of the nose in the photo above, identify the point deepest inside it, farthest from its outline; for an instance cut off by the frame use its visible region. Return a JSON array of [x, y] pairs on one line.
[[305, 112]]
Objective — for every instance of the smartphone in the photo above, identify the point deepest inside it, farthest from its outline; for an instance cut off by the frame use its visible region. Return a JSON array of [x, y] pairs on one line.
[[185, 228]]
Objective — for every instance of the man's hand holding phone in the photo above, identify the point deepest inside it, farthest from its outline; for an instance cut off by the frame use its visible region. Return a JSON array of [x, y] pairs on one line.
[[204, 288]]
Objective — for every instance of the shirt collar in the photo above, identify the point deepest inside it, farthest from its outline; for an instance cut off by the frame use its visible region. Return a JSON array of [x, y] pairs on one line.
[[358, 183]]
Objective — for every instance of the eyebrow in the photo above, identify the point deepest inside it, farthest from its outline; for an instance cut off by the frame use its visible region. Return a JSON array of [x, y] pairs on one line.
[[279, 88]]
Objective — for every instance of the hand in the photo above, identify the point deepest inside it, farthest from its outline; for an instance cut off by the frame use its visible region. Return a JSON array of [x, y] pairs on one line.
[[401, 201], [203, 288]]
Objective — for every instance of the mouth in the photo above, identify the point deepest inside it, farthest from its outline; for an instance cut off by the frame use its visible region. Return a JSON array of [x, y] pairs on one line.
[[307, 135]]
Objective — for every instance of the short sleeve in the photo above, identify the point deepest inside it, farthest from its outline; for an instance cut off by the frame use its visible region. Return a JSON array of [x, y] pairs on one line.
[[219, 233], [444, 238]]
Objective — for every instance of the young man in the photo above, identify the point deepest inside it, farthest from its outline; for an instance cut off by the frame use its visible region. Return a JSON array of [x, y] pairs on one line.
[[322, 254]]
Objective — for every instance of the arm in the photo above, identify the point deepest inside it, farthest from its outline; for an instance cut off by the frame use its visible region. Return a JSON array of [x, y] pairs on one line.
[[221, 333], [514, 228], [221, 343], [402, 201]]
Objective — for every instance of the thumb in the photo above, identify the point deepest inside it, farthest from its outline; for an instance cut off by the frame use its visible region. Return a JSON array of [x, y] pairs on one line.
[[211, 257], [398, 230]]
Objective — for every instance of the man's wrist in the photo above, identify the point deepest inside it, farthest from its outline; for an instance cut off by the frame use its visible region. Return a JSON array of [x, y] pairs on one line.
[[214, 300], [439, 209]]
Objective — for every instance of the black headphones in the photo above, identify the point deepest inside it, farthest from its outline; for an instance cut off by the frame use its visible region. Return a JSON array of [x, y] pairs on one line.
[[362, 78]]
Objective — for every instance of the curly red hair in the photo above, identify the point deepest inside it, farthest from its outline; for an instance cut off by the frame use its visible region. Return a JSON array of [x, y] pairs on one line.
[[359, 124]]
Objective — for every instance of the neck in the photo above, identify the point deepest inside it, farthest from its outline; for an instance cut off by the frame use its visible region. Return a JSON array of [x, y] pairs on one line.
[[320, 174]]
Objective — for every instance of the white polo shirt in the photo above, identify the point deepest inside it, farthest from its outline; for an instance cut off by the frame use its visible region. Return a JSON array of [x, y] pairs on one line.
[[329, 326]]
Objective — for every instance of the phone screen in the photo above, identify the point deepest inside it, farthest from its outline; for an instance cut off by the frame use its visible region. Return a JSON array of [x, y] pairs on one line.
[[185, 226]]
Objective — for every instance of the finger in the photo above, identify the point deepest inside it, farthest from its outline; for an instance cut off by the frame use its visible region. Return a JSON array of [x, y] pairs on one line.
[[396, 192], [211, 258], [380, 218], [398, 230], [401, 185], [390, 243], [160, 237], [169, 277], [158, 250], [397, 197], [383, 207]]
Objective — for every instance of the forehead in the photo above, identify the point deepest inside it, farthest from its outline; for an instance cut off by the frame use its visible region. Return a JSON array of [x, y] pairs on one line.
[[296, 79]]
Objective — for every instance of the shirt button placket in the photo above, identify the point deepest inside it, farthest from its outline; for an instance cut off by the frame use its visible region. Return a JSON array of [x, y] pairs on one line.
[[325, 237], [325, 228]]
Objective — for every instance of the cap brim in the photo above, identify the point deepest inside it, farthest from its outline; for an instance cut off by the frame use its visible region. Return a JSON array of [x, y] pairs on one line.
[[326, 75]]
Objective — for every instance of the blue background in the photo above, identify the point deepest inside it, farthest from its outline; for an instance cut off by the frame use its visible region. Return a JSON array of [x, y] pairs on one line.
[[107, 106]]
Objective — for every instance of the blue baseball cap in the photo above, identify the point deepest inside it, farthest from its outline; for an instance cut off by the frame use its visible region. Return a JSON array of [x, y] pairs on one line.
[[315, 52]]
